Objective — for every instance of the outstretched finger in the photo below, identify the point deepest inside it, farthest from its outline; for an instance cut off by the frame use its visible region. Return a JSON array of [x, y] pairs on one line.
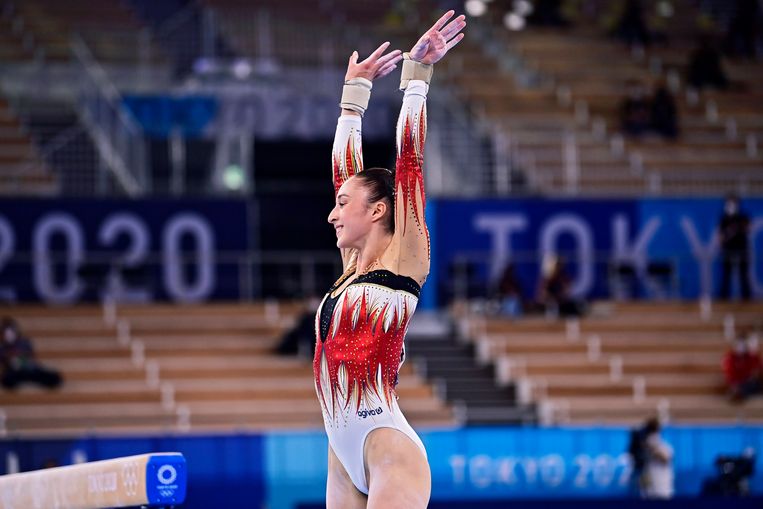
[[391, 57], [453, 27], [353, 58], [453, 42], [385, 70], [443, 19], [377, 53]]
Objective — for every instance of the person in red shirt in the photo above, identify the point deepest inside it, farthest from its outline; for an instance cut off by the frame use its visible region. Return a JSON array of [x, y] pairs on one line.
[[742, 367]]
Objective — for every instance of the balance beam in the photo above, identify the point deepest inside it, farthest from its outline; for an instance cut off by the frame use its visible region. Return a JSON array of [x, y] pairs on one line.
[[143, 480]]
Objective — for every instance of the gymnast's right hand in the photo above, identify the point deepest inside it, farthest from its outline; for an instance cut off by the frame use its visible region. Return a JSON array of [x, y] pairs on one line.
[[377, 65]]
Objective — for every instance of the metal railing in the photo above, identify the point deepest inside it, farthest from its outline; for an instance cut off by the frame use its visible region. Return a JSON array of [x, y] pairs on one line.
[[460, 159], [187, 277], [253, 42], [118, 138], [477, 275], [254, 46]]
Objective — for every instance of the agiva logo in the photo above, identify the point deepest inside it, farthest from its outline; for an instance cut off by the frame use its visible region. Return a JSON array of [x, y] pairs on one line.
[[366, 413]]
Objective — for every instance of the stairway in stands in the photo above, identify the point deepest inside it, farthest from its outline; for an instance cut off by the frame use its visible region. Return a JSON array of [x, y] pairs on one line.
[[12, 45], [450, 364], [112, 30], [43, 149], [513, 92], [21, 170], [70, 151], [556, 96], [621, 363]]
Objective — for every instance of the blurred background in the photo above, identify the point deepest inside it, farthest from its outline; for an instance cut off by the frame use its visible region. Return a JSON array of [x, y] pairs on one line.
[[588, 334]]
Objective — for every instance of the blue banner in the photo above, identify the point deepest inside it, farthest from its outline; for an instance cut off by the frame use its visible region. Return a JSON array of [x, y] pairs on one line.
[[285, 470], [161, 115], [265, 109], [592, 236], [67, 251], [515, 463], [220, 471]]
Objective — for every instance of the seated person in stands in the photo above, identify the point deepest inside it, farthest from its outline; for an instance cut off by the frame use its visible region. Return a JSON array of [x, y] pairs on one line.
[[554, 289], [18, 360], [508, 293], [705, 67], [635, 110], [300, 339], [664, 115], [547, 13], [742, 367], [631, 27], [744, 33]]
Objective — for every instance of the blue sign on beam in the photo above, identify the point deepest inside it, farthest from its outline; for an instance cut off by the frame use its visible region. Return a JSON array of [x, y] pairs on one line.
[[166, 480]]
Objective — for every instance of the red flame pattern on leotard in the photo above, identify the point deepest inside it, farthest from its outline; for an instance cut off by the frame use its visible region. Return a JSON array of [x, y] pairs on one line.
[[348, 164], [360, 358], [409, 170]]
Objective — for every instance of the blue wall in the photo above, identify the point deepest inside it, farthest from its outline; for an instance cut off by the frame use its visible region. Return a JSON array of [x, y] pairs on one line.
[[43, 244], [515, 463], [223, 470], [590, 234], [286, 470], [61, 234]]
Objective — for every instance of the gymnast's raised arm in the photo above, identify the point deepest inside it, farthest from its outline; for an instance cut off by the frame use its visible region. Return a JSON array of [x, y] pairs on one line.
[[347, 153], [408, 253]]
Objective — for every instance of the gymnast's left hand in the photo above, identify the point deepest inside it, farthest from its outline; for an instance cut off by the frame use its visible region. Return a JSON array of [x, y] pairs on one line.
[[439, 39]]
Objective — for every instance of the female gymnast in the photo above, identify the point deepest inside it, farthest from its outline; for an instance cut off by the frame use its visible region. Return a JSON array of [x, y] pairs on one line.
[[376, 460]]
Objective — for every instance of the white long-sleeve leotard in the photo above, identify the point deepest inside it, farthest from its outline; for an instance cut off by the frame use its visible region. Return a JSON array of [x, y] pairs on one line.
[[361, 325]]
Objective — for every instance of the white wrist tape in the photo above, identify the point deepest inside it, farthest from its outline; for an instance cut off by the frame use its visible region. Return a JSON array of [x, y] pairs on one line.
[[355, 95], [413, 70]]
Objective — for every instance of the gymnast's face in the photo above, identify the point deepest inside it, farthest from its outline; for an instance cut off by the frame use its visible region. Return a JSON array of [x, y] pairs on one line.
[[352, 216]]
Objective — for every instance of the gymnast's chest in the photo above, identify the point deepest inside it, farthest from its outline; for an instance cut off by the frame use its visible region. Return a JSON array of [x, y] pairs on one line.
[[363, 314]]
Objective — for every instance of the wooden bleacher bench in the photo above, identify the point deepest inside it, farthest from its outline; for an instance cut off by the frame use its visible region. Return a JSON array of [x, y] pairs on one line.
[[200, 367], [110, 29], [594, 70], [627, 361]]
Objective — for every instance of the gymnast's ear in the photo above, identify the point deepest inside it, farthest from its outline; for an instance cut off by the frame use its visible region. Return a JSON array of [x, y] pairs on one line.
[[379, 209]]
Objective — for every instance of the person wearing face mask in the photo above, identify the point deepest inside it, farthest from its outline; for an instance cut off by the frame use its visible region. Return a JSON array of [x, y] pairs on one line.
[[635, 109], [742, 367], [734, 229], [18, 360]]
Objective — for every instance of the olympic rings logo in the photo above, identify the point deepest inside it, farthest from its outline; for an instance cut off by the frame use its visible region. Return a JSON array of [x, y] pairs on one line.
[[166, 474]]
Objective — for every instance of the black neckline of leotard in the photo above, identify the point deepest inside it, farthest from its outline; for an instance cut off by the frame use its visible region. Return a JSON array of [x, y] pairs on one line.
[[398, 282]]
